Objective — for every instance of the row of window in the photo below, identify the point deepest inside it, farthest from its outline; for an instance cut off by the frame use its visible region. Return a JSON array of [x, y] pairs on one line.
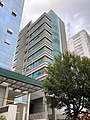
[[9, 31], [8, 42], [48, 50], [36, 54], [38, 62], [80, 49], [39, 52], [35, 63], [41, 26], [39, 43], [36, 45], [39, 35], [40, 21], [13, 12], [37, 73], [78, 45], [36, 37], [76, 41]]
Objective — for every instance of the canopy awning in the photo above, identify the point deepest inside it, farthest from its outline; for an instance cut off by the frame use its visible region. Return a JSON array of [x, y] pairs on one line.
[[18, 81]]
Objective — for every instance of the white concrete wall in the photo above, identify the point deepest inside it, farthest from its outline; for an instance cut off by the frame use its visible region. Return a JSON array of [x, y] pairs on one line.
[[10, 114], [2, 94], [84, 41]]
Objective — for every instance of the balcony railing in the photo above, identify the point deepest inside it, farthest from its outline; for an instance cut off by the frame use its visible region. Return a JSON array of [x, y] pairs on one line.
[[41, 115]]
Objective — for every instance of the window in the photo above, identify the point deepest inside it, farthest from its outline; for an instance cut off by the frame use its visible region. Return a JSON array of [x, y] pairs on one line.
[[18, 40], [15, 60], [28, 31], [38, 62], [1, 4], [19, 34], [48, 59], [29, 58], [36, 23], [36, 45], [46, 24], [37, 73], [48, 41], [30, 75], [26, 44], [47, 32], [37, 30], [27, 37], [16, 53], [14, 68], [9, 31], [77, 45], [14, 14], [48, 18], [35, 38], [17, 47], [25, 51], [29, 67], [48, 50], [80, 49], [7, 42], [36, 54]]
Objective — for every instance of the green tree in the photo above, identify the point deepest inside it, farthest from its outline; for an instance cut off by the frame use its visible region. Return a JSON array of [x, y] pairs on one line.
[[68, 79], [2, 117]]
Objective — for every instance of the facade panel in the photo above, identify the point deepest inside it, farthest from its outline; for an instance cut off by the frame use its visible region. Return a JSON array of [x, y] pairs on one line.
[[80, 44], [45, 38], [10, 17]]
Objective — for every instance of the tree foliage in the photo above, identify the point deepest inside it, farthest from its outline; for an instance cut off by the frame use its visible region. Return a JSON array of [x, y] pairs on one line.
[[2, 117], [68, 79]]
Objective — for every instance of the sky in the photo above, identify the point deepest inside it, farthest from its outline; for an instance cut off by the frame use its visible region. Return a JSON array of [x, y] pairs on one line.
[[74, 13]]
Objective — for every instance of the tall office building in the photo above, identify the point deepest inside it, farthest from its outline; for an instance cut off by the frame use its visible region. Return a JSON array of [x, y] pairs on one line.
[[80, 44], [10, 17], [37, 45]]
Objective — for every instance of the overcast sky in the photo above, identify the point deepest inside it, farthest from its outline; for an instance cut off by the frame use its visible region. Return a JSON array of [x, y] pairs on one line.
[[74, 13]]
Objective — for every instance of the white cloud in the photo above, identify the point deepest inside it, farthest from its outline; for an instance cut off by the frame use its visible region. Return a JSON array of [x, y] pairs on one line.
[[75, 14]]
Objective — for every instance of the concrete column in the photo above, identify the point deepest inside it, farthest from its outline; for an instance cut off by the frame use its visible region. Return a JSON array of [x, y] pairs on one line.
[[6, 96], [28, 106], [45, 108], [23, 114]]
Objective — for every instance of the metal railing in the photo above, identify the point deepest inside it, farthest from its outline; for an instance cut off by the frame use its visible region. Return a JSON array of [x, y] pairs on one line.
[[36, 116]]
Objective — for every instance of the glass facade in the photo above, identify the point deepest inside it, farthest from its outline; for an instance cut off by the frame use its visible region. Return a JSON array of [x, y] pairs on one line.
[[38, 73], [56, 36], [48, 59], [36, 63], [10, 17], [43, 39], [36, 54]]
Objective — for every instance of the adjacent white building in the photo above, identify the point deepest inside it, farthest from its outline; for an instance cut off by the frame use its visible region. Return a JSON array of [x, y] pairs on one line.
[[80, 44]]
